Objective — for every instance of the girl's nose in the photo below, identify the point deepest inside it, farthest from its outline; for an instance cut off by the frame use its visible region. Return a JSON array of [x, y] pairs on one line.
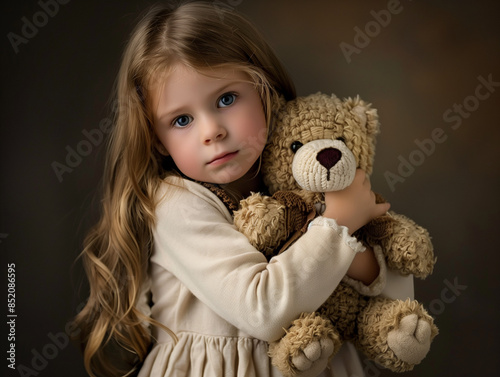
[[213, 131]]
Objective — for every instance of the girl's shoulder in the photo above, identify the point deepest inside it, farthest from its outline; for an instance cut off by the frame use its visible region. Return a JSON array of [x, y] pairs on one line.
[[178, 193], [176, 188]]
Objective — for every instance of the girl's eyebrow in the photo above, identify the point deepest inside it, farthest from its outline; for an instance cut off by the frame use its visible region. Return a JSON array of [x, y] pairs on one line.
[[169, 113]]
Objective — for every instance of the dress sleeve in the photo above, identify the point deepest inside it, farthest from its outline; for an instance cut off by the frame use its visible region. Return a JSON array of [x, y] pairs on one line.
[[197, 242]]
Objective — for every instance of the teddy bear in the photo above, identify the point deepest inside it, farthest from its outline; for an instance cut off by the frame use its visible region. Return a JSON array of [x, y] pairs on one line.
[[315, 145]]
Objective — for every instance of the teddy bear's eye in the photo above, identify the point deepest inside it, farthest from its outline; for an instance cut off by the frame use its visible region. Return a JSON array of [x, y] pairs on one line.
[[341, 139], [295, 146]]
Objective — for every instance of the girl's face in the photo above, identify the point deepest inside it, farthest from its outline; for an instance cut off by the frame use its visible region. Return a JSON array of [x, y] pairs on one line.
[[214, 128]]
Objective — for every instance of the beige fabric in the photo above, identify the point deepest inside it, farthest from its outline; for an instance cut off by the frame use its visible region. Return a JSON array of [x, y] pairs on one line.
[[220, 295]]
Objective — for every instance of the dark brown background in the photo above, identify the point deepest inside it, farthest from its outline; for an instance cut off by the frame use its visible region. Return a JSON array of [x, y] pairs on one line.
[[426, 59]]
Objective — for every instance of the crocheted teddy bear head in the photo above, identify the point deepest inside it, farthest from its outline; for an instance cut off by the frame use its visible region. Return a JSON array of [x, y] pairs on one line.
[[318, 141]]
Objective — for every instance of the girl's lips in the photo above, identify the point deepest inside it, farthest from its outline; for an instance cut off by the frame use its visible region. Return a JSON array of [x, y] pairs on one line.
[[225, 157]]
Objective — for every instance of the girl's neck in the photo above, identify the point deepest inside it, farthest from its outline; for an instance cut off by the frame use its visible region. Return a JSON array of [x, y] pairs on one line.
[[250, 182]]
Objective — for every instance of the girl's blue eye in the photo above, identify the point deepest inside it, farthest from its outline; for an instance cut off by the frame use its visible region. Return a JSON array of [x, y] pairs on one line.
[[182, 121], [227, 100]]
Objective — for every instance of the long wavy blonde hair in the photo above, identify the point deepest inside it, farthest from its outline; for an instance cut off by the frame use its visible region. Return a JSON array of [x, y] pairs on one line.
[[116, 251]]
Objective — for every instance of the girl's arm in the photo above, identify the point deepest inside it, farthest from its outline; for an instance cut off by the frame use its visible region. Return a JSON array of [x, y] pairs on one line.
[[196, 241], [364, 267]]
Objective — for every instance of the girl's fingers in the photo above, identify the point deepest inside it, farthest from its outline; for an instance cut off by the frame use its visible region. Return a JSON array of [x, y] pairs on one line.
[[367, 180], [382, 208]]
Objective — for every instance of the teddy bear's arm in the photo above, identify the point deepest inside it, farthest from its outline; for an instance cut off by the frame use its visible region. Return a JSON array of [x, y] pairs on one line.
[[268, 222], [406, 245], [410, 249], [261, 219]]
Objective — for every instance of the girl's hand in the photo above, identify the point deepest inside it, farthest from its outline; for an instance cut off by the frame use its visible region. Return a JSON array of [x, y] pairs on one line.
[[354, 206]]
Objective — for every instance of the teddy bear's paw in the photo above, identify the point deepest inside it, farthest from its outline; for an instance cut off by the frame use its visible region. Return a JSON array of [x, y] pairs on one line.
[[411, 341], [410, 249], [395, 334], [312, 353], [296, 209], [306, 347], [259, 219]]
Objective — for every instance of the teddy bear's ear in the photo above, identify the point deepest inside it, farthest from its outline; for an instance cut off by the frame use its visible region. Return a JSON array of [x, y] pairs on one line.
[[278, 104], [367, 115]]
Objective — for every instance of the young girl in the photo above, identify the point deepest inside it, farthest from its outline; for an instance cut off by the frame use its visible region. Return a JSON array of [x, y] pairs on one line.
[[196, 92]]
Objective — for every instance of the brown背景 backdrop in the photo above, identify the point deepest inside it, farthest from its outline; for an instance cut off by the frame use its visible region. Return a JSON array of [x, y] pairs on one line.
[[432, 68]]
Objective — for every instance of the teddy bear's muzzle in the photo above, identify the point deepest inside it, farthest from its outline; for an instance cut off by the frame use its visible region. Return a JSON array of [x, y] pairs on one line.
[[328, 157], [324, 165]]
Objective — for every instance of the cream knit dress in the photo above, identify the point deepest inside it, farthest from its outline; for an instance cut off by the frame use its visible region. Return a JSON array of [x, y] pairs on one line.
[[221, 297]]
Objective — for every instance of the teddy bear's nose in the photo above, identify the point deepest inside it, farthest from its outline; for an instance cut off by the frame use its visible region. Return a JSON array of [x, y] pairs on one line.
[[328, 157]]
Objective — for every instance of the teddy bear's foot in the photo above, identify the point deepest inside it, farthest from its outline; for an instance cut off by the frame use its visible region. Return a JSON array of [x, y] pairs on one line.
[[306, 347], [396, 334], [412, 340], [317, 349]]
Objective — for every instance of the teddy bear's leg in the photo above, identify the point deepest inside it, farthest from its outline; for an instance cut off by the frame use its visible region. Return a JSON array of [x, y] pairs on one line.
[[409, 249], [396, 334], [306, 347]]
